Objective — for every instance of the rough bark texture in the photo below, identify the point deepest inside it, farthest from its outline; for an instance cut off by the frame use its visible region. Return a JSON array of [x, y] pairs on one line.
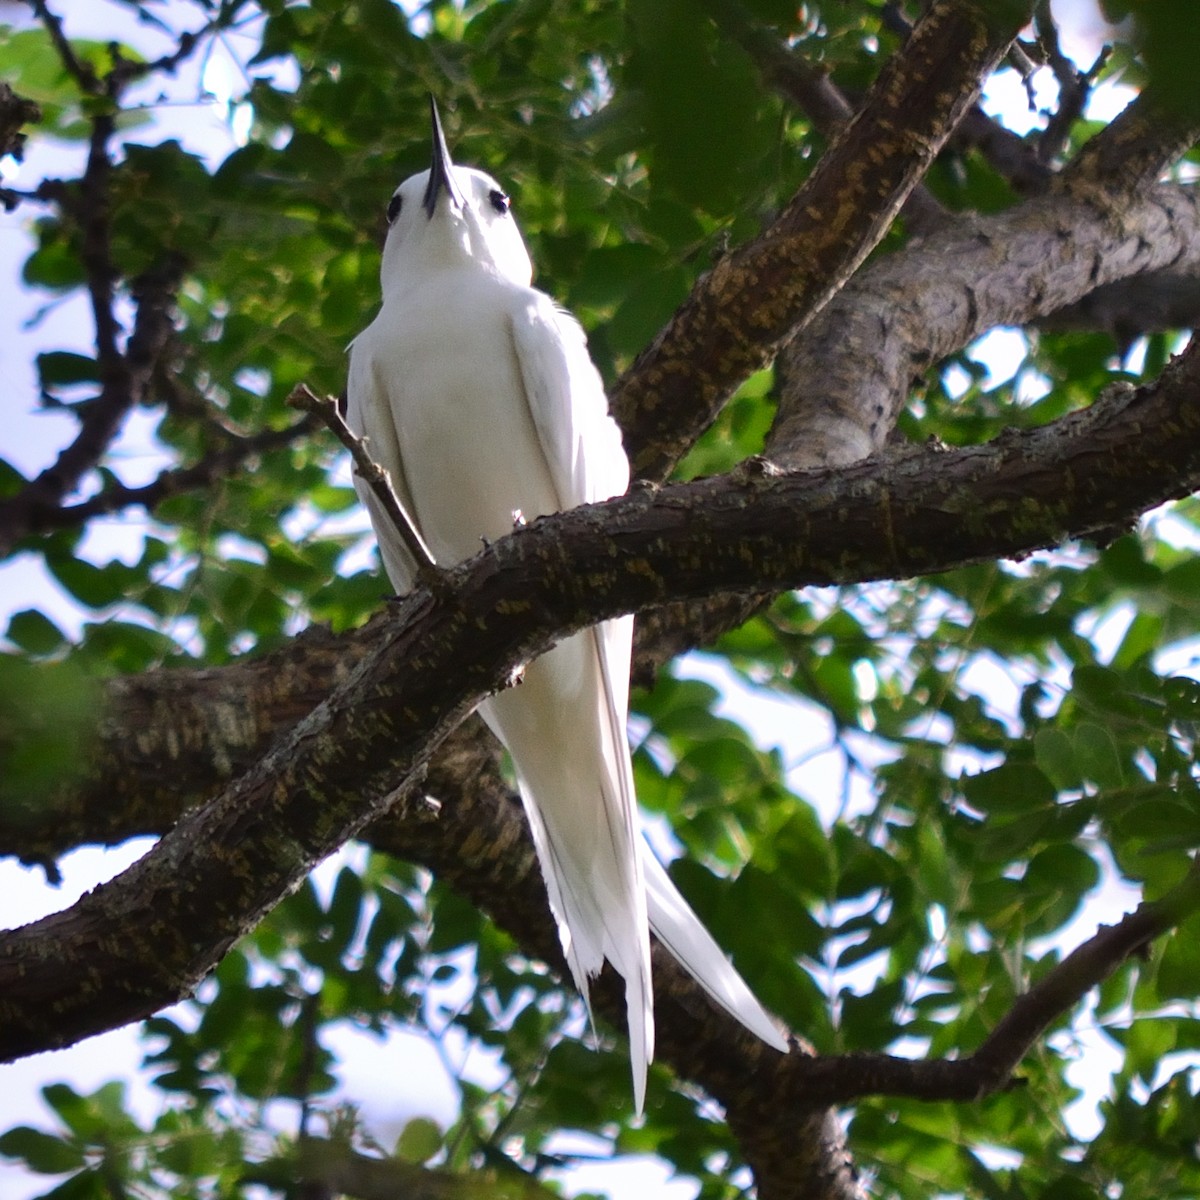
[[150, 935], [278, 761], [143, 940], [740, 312], [913, 308]]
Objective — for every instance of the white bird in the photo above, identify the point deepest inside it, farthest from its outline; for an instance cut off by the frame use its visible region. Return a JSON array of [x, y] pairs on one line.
[[478, 395]]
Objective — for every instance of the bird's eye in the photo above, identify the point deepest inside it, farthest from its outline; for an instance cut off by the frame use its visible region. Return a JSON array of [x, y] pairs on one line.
[[500, 202], [393, 208]]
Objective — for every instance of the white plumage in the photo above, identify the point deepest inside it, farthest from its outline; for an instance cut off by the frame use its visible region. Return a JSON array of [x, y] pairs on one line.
[[477, 394]]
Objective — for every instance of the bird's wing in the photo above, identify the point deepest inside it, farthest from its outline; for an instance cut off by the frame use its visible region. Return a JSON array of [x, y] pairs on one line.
[[369, 414], [581, 441], [582, 448]]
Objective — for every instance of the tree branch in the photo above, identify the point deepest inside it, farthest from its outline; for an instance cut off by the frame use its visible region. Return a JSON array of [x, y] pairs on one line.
[[910, 310], [15, 112], [1152, 303], [150, 935], [738, 314], [172, 482], [124, 376], [375, 476], [1009, 154], [76, 67], [811, 91], [125, 382], [221, 867]]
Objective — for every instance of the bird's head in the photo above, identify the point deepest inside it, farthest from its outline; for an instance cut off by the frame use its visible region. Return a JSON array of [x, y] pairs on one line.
[[451, 216]]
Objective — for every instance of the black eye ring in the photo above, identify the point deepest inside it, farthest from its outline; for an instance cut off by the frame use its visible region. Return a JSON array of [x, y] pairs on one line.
[[393, 208], [500, 202]]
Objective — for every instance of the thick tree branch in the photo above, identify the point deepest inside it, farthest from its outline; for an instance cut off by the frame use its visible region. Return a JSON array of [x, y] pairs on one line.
[[170, 740], [1099, 223], [1152, 303], [150, 935], [739, 313], [910, 310], [217, 871], [208, 724]]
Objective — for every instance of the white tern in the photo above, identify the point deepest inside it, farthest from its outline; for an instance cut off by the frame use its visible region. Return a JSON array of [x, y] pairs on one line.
[[477, 394]]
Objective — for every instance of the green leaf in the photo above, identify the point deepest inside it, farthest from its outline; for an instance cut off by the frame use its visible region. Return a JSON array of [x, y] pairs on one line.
[[34, 632], [419, 1140], [54, 265], [60, 368], [1097, 754], [1055, 756], [44, 1153], [1010, 789], [1179, 967]]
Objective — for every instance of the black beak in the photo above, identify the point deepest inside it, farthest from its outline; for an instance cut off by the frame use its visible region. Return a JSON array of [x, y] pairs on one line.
[[441, 171]]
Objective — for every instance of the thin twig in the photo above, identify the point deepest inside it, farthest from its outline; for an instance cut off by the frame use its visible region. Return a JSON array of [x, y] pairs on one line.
[[1074, 87], [126, 382], [375, 476], [171, 482], [1088, 965], [81, 71]]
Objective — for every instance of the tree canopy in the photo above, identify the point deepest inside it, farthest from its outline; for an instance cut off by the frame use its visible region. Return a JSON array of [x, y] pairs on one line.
[[785, 228]]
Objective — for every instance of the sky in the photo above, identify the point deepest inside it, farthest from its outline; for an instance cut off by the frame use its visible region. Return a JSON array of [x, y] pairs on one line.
[[201, 110]]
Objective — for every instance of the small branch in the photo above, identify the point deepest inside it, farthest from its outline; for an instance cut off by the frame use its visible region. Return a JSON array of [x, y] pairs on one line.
[[1012, 157], [125, 71], [1083, 969], [794, 77], [171, 482], [812, 91], [1074, 86], [81, 71], [376, 478], [125, 380]]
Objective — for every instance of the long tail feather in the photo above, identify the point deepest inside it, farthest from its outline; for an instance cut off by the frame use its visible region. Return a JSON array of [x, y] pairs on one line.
[[681, 931], [577, 787]]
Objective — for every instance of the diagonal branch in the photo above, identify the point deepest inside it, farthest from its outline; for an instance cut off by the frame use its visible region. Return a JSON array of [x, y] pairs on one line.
[[740, 312], [908, 311], [376, 477], [811, 90], [150, 935], [125, 382], [173, 481], [223, 866], [79, 70]]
